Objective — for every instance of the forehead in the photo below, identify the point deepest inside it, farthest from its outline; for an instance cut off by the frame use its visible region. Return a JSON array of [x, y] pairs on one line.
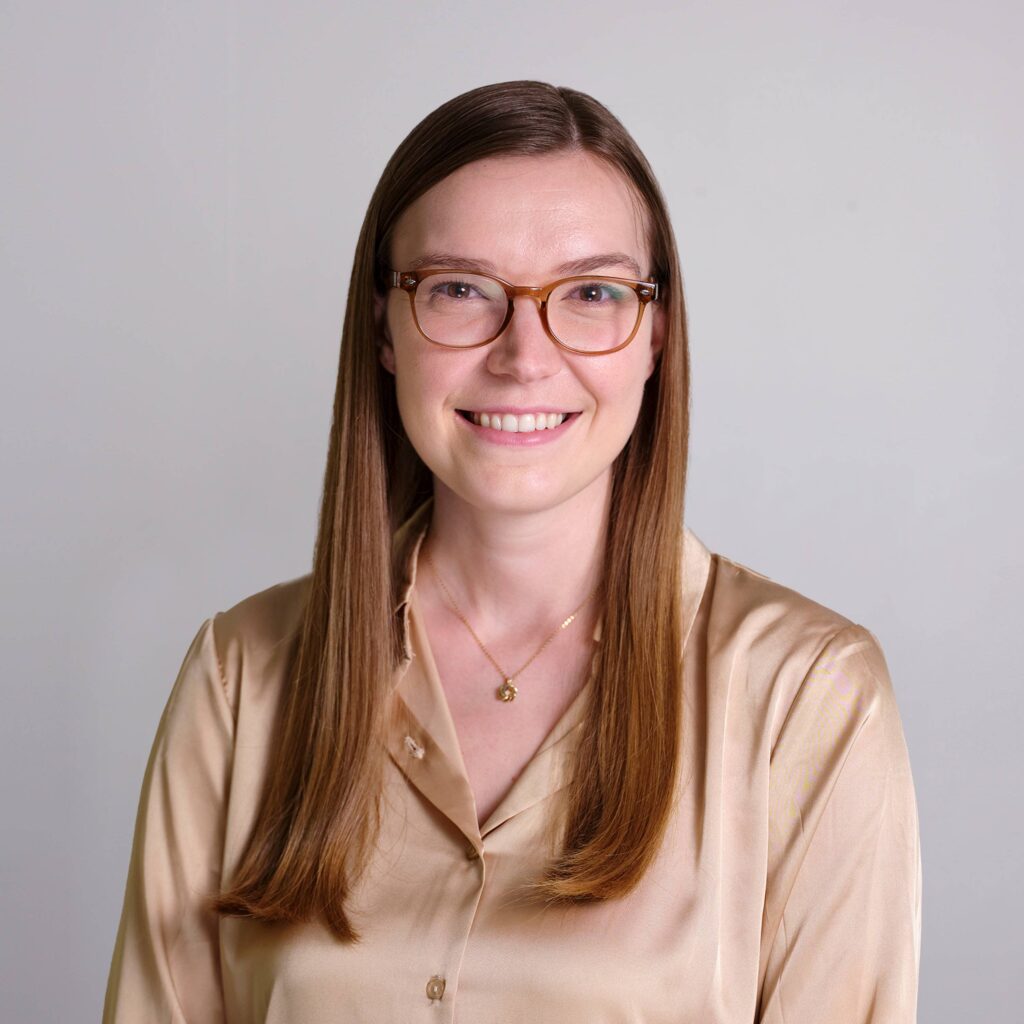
[[525, 215]]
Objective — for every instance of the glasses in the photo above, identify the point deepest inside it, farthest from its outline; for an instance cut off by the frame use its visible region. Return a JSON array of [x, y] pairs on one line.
[[589, 315]]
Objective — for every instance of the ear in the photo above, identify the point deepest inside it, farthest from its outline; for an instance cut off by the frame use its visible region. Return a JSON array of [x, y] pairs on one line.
[[659, 327], [385, 350]]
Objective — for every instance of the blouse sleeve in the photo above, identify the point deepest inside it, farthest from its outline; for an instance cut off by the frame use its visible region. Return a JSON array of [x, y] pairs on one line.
[[842, 920], [166, 960]]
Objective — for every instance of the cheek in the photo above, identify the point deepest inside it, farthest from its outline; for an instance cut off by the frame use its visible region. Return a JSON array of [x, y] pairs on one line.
[[619, 389], [413, 395], [424, 384]]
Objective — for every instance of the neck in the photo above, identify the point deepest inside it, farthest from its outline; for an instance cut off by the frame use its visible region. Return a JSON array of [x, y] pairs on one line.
[[518, 572]]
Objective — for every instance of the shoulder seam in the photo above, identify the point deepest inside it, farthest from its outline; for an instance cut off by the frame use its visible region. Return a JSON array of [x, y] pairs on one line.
[[839, 775], [216, 655], [824, 808], [832, 638]]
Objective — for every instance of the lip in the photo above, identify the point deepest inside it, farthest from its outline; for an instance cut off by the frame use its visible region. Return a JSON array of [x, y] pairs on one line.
[[513, 439], [519, 410]]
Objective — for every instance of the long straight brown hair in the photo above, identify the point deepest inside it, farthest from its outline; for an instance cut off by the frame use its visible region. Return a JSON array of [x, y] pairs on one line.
[[320, 812]]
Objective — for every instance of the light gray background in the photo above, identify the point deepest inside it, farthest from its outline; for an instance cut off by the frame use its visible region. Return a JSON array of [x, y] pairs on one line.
[[183, 184]]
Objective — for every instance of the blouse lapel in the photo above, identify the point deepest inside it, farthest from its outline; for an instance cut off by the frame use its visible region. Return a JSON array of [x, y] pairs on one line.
[[421, 734]]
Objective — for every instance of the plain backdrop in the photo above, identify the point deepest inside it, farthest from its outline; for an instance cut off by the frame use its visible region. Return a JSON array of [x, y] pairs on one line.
[[182, 188]]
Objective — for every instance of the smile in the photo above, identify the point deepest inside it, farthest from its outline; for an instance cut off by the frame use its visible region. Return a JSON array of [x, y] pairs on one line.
[[526, 429], [521, 424]]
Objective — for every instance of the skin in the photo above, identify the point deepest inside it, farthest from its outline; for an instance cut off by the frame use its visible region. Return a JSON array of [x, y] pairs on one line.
[[517, 534]]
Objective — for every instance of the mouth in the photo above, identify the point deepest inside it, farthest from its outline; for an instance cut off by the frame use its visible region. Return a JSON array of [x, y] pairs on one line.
[[523, 424]]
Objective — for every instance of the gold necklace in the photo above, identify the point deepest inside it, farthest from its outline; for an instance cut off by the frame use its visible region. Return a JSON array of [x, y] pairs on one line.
[[507, 691]]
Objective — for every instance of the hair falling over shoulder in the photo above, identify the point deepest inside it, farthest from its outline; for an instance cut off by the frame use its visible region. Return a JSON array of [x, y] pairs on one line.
[[320, 811]]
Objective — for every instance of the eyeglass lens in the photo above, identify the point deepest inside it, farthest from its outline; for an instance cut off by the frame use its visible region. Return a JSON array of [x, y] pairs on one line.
[[591, 315]]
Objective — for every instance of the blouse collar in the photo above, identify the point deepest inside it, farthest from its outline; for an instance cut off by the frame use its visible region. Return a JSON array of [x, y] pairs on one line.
[[409, 536], [422, 739]]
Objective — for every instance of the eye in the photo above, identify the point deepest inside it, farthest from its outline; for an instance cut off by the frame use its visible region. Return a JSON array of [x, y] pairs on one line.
[[596, 292], [453, 289]]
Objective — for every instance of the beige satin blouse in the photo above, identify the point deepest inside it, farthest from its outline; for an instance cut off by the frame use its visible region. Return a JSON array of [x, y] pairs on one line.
[[787, 890]]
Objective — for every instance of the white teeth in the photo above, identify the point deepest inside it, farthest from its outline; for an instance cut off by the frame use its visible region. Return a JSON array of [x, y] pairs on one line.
[[524, 424]]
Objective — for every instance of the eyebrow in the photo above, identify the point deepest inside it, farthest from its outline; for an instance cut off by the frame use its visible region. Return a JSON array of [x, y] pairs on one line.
[[585, 265]]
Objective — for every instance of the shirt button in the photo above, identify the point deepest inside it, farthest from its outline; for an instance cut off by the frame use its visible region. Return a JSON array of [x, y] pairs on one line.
[[471, 853], [435, 987]]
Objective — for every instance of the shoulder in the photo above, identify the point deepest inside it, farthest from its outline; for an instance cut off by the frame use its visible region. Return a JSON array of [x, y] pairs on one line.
[[747, 609], [781, 644], [253, 638]]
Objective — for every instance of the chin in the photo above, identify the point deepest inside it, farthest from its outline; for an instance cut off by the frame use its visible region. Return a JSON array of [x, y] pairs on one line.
[[510, 495]]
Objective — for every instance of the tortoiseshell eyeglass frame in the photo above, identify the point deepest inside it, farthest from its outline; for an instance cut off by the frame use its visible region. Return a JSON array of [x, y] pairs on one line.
[[409, 281]]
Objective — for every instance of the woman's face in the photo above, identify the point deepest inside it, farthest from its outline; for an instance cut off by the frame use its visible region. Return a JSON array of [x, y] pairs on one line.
[[521, 218]]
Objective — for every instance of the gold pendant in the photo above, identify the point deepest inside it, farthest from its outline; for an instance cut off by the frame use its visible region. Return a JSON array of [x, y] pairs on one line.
[[507, 691]]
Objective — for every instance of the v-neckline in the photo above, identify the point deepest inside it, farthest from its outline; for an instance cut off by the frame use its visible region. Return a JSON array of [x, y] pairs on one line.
[[544, 773]]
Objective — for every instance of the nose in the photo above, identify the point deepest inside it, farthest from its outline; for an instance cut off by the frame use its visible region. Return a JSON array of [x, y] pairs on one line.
[[523, 349]]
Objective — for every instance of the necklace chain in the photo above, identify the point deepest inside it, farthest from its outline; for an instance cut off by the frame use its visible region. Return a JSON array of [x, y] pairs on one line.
[[507, 691]]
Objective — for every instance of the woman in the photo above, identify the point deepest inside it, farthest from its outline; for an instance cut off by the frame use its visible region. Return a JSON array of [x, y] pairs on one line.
[[520, 747]]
